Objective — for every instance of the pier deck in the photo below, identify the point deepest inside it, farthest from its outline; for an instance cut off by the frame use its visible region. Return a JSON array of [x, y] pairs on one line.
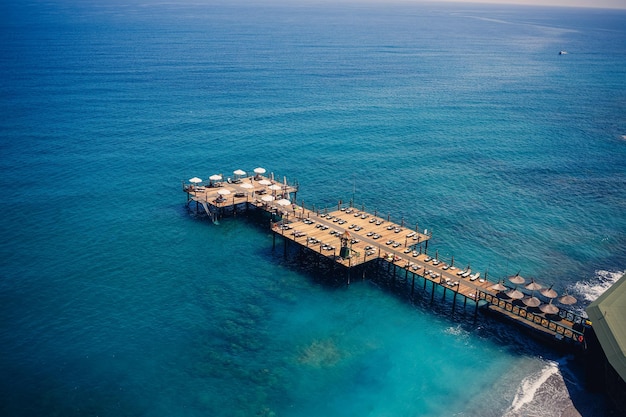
[[370, 237]]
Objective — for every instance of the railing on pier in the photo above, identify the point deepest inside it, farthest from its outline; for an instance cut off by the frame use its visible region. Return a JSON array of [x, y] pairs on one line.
[[539, 319]]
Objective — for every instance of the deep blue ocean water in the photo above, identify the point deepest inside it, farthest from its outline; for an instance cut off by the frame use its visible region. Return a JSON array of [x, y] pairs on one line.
[[464, 119]]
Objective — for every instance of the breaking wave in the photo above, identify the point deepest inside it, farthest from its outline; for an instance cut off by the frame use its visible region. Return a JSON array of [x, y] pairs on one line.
[[529, 387], [588, 290]]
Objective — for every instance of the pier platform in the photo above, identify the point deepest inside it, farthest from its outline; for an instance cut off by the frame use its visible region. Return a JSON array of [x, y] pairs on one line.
[[349, 237]]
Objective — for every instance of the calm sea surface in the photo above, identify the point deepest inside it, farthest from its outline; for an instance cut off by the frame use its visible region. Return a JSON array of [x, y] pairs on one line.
[[115, 300]]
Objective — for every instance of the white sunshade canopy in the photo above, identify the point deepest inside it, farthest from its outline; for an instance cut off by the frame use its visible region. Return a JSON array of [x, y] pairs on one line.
[[283, 202], [195, 180], [259, 170], [215, 177], [267, 198], [239, 172], [246, 185], [274, 187], [265, 182], [223, 191]]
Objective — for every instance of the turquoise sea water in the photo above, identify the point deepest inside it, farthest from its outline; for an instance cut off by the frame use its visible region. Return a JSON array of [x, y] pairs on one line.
[[115, 300]]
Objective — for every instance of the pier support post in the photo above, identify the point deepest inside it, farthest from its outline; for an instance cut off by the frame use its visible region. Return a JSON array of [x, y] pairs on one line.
[[413, 286], [454, 301], [476, 307], [432, 294], [273, 240], [285, 247]]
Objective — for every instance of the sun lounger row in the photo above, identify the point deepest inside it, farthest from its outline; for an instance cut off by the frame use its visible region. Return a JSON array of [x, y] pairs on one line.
[[450, 283]]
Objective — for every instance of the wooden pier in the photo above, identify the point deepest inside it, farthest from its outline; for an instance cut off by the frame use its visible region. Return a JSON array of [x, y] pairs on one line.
[[349, 237]]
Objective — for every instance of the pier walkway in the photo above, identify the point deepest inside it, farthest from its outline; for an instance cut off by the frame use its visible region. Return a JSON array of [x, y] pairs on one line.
[[350, 237]]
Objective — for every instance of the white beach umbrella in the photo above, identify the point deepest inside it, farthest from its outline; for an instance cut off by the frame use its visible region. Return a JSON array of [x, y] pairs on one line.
[[239, 172], [259, 170], [215, 177], [283, 202], [265, 182], [274, 187], [223, 191], [267, 198], [195, 180], [246, 185]]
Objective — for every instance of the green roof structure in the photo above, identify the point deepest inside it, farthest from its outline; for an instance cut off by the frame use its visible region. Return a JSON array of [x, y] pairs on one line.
[[608, 317]]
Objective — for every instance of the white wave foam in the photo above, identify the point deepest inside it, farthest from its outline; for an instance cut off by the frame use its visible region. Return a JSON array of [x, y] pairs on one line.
[[589, 290], [529, 386], [459, 334], [456, 331], [548, 391]]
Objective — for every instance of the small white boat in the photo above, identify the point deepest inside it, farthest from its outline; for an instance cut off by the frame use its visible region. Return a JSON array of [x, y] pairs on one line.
[[562, 52]]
